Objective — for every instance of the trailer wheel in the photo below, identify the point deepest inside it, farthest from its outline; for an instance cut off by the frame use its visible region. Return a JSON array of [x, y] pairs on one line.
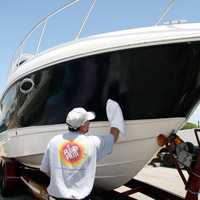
[[4, 191], [168, 162], [191, 147]]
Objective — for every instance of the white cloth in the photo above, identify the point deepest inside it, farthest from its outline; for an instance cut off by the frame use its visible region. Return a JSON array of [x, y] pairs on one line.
[[115, 116], [71, 159]]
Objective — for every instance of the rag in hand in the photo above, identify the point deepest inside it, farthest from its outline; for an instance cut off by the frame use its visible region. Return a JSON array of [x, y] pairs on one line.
[[115, 116]]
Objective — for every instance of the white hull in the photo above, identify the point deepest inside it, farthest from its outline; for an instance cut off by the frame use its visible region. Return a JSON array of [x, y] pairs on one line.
[[129, 156]]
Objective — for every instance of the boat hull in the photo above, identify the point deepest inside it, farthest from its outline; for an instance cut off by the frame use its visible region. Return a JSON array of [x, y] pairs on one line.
[[129, 155], [153, 73], [160, 81]]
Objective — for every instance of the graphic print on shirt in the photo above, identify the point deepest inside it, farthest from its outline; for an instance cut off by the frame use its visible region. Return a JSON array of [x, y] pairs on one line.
[[71, 152]]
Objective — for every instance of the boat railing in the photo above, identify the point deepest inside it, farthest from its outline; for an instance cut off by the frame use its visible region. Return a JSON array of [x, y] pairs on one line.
[[23, 57], [16, 62], [164, 13]]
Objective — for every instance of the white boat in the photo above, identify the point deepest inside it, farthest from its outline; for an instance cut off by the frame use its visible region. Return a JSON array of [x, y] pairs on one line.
[[152, 72]]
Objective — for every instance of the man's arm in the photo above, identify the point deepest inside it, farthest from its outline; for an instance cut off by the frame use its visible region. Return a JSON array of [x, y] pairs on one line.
[[115, 132]]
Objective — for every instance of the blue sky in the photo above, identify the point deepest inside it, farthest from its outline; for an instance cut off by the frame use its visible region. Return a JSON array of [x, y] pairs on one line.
[[17, 18]]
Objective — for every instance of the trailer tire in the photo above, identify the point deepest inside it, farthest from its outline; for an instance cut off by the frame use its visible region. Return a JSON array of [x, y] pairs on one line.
[[168, 162], [191, 147], [4, 191]]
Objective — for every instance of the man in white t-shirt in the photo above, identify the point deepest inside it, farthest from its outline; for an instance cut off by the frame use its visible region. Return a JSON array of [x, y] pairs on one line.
[[70, 158]]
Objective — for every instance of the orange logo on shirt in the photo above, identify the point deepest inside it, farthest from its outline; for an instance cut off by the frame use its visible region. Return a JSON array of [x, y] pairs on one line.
[[71, 152]]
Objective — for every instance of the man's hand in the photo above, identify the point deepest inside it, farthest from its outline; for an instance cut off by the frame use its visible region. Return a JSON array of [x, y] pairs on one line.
[[116, 119]]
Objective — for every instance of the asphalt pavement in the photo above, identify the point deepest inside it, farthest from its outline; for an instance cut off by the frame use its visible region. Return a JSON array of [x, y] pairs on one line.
[[20, 193], [162, 177]]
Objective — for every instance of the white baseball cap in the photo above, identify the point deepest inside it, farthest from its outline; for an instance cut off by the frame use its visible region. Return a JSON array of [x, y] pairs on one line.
[[78, 116]]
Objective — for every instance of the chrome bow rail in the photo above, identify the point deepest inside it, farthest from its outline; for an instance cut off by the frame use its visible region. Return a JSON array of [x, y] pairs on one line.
[[21, 57]]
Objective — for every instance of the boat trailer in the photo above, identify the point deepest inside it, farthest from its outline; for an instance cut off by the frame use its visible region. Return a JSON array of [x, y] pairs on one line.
[[182, 154]]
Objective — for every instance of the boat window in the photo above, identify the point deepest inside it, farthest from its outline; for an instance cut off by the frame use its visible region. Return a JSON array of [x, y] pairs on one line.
[[8, 117], [26, 85]]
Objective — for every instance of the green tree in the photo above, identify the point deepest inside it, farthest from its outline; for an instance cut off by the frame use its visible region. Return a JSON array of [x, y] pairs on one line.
[[189, 125]]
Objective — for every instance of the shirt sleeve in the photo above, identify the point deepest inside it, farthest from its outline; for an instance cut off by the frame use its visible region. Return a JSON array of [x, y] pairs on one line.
[[104, 145], [45, 166]]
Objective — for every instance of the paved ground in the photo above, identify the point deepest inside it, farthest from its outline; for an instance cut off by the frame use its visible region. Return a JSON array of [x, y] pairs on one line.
[[167, 178], [20, 193]]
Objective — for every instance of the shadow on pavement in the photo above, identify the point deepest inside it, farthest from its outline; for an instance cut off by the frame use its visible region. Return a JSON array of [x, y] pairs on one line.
[[20, 193]]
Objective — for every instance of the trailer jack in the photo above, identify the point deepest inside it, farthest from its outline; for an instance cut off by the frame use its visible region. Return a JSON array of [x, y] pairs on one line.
[[187, 156]]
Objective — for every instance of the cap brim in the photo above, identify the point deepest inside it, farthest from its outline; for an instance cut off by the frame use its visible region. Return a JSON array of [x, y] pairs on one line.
[[90, 115]]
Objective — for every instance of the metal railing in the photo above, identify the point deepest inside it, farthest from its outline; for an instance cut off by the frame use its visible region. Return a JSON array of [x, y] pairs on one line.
[[163, 14], [19, 50], [44, 22]]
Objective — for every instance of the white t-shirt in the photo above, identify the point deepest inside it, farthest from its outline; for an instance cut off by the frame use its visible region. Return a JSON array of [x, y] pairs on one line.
[[71, 160]]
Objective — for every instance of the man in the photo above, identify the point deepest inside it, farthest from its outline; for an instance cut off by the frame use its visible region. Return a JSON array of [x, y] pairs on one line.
[[70, 159]]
